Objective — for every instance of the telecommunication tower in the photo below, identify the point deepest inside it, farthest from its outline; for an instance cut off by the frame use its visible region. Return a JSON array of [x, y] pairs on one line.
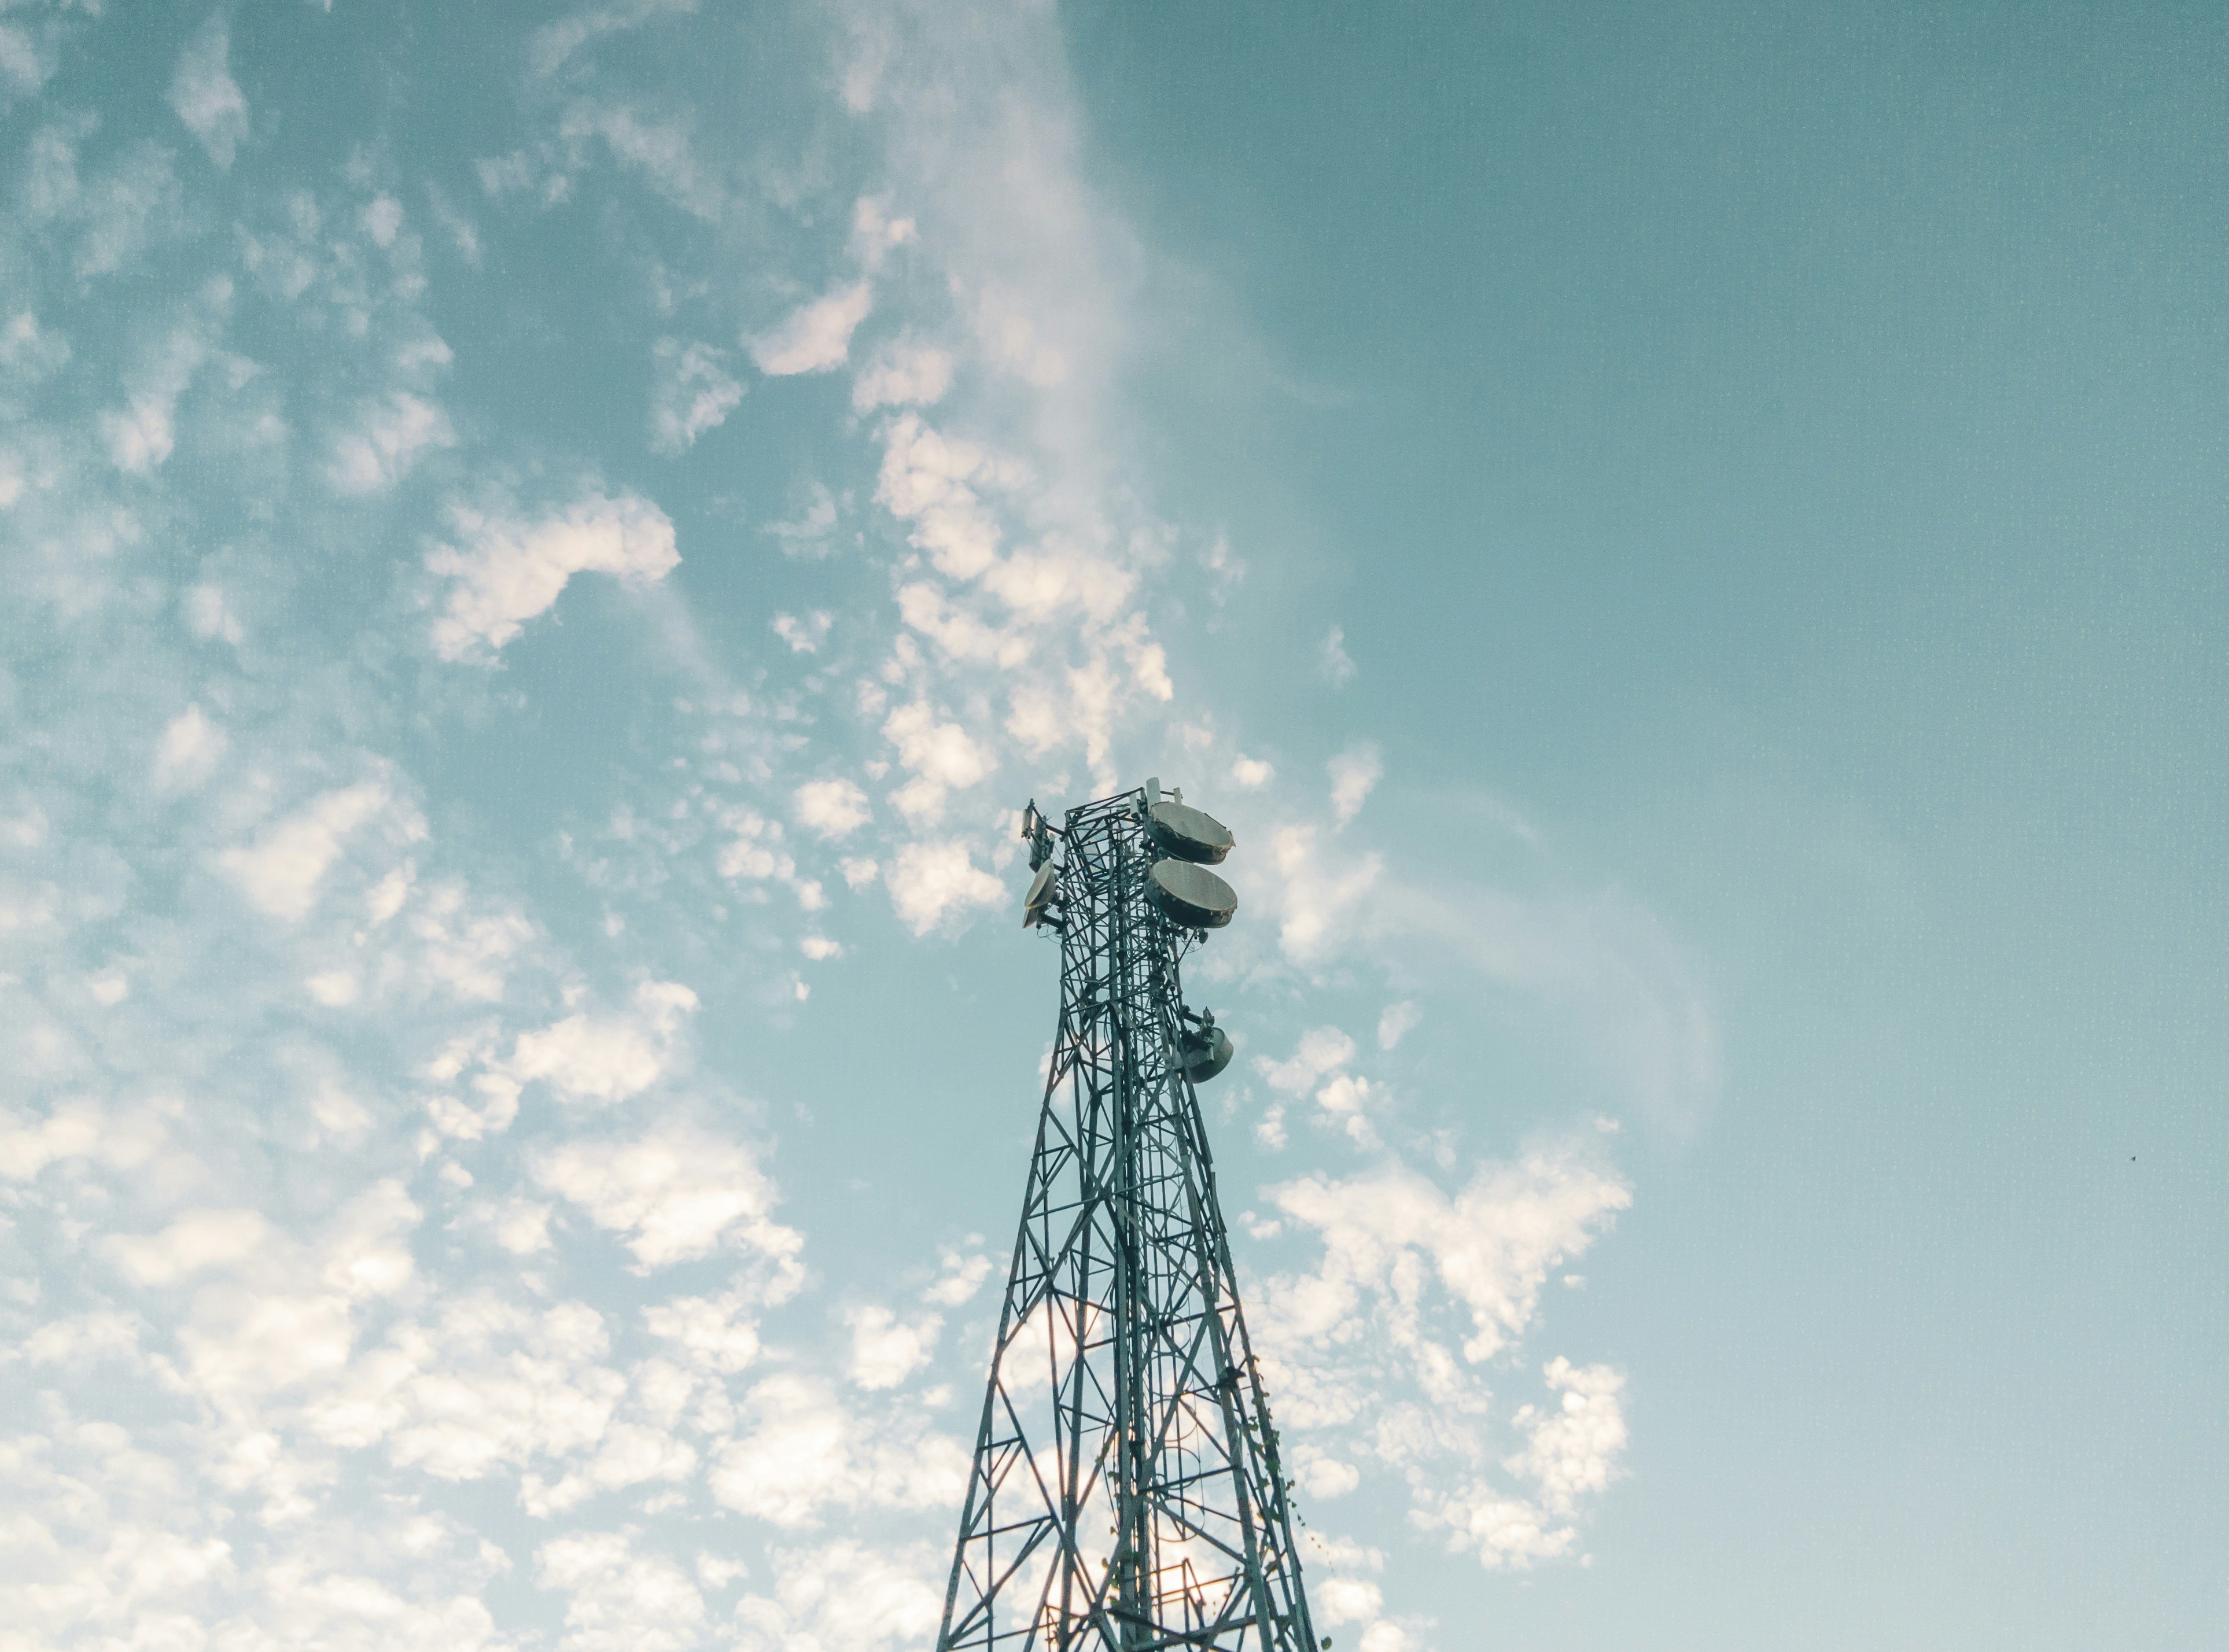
[[1127, 1493]]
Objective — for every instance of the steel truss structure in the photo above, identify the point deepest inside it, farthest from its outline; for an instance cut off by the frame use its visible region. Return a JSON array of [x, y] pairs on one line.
[[1126, 1491]]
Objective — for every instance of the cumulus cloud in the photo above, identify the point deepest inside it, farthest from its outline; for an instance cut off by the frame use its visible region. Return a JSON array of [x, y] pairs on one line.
[[1576, 1444], [1491, 1245], [1397, 1022], [1332, 663], [903, 374], [204, 94], [507, 572], [189, 750], [939, 754], [141, 435], [816, 337], [605, 1057], [1321, 1051], [886, 1349], [876, 231], [803, 636], [1353, 776], [391, 435], [618, 1599], [831, 809], [1251, 773], [930, 883], [714, 1334], [1318, 895], [676, 1194], [695, 392], [281, 870], [843, 1597], [801, 1454], [199, 1239], [659, 146]]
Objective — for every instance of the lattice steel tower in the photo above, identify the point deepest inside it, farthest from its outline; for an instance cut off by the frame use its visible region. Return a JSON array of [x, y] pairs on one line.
[[1126, 1491]]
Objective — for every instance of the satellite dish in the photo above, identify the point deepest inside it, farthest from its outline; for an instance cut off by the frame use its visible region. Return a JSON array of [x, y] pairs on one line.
[[1188, 833], [1190, 896], [1039, 897], [1205, 1053]]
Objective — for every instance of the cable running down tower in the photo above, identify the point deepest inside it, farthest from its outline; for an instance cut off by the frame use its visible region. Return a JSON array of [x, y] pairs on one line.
[[1127, 1494]]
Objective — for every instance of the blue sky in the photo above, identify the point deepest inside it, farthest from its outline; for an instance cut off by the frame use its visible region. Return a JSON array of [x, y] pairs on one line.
[[550, 547]]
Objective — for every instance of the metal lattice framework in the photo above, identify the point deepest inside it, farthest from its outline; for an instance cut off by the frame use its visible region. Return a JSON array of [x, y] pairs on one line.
[[1126, 1491]]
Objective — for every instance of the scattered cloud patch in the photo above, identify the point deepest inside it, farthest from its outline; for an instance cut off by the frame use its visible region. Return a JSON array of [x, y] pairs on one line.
[[676, 1194], [1397, 1022], [205, 96], [507, 572], [816, 337], [931, 884], [903, 374], [831, 809], [391, 435], [694, 393], [1353, 774], [1332, 663]]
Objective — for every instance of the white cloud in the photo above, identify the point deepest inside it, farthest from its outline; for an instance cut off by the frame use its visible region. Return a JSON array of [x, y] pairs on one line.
[[1491, 1246], [521, 1225], [714, 1334], [924, 480], [960, 1275], [141, 436], [903, 374], [1332, 660], [843, 1597], [885, 1349], [807, 534], [1317, 899], [205, 95], [874, 233], [1353, 776], [509, 572], [941, 756], [619, 1600], [802, 1453], [382, 221], [24, 68], [189, 748], [280, 872], [209, 611], [605, 1057], [930, 882], [1505, 1531], [629, 1454], [1251, 773], [1576, 1446], [487, 1384], [676, 1193], [1396, 1023], [817, 336], [1321, 1051], [660, 148], [695, 392], [199, 1239], [831, 809], [391, 435], [803, 636]]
